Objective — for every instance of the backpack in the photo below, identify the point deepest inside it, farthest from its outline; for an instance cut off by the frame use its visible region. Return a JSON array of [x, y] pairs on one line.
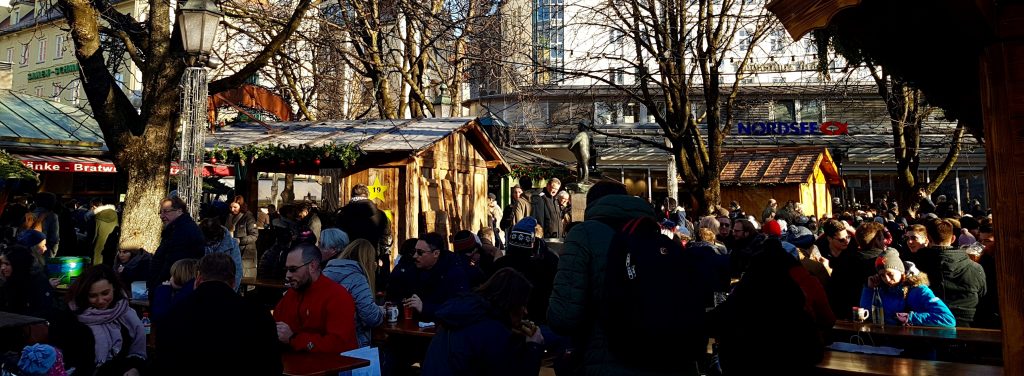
[[654, 307]]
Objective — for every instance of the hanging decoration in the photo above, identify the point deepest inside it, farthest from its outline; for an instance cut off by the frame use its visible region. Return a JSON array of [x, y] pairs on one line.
[[193, 137], [286, 155]]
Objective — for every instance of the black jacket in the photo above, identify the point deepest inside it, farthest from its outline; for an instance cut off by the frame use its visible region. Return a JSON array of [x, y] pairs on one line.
[[216, 332], [548, 215], [850, 271], [447, 279], [243, 228], [988, 315], [955, 279], [361, 219], [136, 269], [472, 340], [540, 269], [181, 239]]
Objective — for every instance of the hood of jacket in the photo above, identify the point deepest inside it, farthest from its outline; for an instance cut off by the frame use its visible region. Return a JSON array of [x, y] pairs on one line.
[[618, 207], [463, 311], [225, 245], [105, 213], [339, 269]]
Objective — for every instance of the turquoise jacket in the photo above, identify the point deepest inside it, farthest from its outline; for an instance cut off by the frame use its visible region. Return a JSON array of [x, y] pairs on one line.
[[924, 307]]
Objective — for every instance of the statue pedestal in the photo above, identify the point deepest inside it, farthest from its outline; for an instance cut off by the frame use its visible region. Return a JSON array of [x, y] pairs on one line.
[[579, 205]]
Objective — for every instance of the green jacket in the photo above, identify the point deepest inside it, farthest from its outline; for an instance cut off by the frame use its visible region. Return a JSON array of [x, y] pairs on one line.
[[106, 221], [579, 284]]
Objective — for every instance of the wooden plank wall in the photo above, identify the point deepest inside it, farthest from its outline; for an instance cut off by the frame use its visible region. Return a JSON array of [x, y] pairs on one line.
[[1002, 97], [453, 187]]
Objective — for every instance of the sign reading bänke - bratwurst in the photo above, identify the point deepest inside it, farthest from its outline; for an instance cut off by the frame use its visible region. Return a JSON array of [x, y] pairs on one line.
[[762, 128]]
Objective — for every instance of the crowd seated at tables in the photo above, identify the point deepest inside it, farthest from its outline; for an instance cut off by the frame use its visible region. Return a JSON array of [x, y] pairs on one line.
[[500, 304]]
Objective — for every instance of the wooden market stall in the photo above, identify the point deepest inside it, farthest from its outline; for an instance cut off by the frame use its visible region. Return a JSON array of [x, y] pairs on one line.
[[427, 175], [802, 174]]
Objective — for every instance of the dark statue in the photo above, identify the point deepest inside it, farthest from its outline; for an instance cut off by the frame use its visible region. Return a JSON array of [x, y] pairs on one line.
[[582, 146]]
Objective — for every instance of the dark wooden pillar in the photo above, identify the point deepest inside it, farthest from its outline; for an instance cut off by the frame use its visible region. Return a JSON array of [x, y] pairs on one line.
[[1002, 96]]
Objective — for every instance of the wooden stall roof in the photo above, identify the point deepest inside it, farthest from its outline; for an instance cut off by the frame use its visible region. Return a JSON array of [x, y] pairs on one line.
[[36, 125], [776, 165], [409, 137]]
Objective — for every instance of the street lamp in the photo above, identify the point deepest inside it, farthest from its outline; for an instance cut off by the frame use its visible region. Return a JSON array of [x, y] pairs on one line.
[[197, 22]]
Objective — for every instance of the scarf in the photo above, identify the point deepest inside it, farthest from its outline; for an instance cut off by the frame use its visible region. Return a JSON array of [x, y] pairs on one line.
[[106, 324]]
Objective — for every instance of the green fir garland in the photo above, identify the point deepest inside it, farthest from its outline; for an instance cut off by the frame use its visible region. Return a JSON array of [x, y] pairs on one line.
[[347, 154]]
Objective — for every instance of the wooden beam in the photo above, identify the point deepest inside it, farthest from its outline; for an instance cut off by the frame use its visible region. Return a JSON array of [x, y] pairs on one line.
[[799, 17], [1001, 75]]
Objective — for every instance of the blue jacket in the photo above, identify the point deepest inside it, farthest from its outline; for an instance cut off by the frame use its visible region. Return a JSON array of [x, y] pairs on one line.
[[924, 307], [446, 280], [349, 274], [229, 245], [471, 340]]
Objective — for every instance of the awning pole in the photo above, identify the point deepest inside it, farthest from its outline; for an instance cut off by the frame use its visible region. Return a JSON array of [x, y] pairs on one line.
[[958, 198], [871, 188], [650, 196]]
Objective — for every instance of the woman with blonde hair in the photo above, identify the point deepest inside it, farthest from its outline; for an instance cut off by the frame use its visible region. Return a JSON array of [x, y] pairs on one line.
[[350, 269]]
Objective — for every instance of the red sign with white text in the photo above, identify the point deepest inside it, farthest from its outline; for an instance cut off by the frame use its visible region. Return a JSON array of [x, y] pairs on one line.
[[102, 167]]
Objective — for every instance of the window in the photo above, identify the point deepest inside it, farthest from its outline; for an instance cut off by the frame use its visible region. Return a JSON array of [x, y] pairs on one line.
[[810, 110], [58, 51], [56, 92], [616, 75], [16, 15], [784, 110], [631, 115], [42, 51], [615, 36], [744, 39], [778, 41], [10, 55], [24, 54], [607, 113], [39, 91], [661, 111], [778, 80], [74, 92], [119, 78]]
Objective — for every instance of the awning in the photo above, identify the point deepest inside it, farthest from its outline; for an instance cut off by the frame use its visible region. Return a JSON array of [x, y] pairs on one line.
[[54, 163]]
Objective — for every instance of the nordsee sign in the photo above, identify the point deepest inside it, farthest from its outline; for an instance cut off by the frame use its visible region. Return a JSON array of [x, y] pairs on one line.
[[761, 128]]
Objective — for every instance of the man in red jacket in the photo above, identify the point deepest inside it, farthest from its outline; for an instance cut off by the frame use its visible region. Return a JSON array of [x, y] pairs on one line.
[[316, 314]]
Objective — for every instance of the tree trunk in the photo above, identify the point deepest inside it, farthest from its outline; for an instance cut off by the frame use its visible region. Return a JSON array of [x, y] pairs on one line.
[[147, 184], [331, 188], [288, 194], [709, 194]]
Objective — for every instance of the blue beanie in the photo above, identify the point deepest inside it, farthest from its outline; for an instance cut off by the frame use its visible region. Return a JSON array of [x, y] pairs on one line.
[[522, 234], [30, 238], [37, 359]]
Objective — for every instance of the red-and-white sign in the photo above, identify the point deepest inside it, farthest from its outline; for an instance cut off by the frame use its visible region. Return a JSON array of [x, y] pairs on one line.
[[48, 163]]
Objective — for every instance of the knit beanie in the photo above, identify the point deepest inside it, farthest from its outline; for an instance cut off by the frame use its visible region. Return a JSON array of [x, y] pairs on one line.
[[464, 241], [890, 259], [41, 360], [773, 228], [522, 234], [30, 238]]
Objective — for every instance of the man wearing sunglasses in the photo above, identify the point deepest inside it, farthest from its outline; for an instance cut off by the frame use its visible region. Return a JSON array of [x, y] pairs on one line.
[[180, 239], [316, 314]]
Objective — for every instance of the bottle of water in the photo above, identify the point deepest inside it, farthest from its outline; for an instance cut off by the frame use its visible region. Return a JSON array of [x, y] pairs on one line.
[[146, 323], [877, 311]]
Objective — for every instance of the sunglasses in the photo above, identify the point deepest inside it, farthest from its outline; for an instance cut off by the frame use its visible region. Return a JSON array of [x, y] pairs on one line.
[[293, 269]]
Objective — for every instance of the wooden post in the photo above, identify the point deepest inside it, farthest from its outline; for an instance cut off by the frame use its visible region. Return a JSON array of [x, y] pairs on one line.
[[412, 203], [1002, 91]]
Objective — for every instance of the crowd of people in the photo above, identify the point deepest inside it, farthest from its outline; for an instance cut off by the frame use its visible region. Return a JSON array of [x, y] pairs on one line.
[[503, 298]]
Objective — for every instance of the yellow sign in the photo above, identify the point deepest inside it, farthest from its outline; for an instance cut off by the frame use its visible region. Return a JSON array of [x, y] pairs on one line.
[[377, 190], [391, 218]]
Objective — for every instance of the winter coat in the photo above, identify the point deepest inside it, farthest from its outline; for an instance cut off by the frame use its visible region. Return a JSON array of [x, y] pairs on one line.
[[180, 239], [229, 246], [350, 274], [136, 269], [471, 340], [955, 279], [403, 279], [106, 221], [361, 219], [988, 315], [849, 271], [924, 307], [578, 291], [446, 280], [548, 214], [540, 271], [322, 317], [243, 229]]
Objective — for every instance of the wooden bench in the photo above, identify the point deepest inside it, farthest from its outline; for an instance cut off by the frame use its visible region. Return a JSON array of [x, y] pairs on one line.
[[843, 363]]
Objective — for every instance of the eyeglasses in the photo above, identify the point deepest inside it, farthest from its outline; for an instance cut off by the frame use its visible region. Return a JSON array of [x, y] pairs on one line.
[[293, 269], [420, 252], [168, 210]]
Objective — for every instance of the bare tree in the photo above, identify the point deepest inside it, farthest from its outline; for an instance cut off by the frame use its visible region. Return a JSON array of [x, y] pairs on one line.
[[141, 139], [677, 53]]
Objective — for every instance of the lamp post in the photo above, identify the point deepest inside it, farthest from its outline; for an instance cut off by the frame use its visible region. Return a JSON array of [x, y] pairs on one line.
[[197, 22]]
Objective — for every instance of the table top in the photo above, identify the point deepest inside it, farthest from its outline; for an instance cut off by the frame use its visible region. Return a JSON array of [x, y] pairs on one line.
[[310, 364], [408, 327], [842, 363], [976, 335], [263, 282], [11, 320]]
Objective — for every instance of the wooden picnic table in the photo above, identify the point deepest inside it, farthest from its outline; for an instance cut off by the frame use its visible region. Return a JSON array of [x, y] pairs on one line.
[[408, 327], [316, 364], [30, 329], [12, 320], [923, 333], [843, 363]]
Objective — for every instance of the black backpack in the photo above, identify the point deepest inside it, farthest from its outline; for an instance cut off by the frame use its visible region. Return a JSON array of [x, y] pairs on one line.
[[654, 306]]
